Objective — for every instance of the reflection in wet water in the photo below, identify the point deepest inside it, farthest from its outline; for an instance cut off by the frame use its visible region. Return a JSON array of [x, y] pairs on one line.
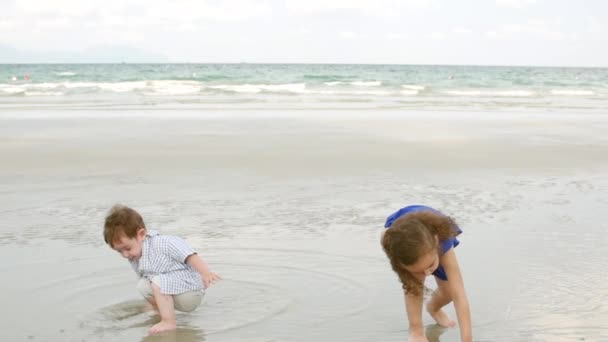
[[181, 334], [135, 314], [317, 274], [434, 331]]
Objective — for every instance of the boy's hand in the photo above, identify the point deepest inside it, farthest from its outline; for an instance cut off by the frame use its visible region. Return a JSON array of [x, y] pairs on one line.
[[210, 278]]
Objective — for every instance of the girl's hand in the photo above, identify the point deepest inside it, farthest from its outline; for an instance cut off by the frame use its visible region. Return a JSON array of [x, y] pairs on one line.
[[210, 278], [417, 338]]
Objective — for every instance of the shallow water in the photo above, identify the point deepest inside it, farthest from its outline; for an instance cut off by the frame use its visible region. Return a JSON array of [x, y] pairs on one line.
[[288, 212]]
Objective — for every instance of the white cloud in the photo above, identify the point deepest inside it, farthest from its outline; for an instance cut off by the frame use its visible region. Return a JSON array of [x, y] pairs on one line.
[[492, 34], [534, 28], [6, 24], [304, 31], [152, 10], [515, 3], [382, 7], [54, 23], [38, 23], [437, 35], [274, 30], [396, 36], [461, 31], [595, 26], [73, 8], [233, 10], [351, 35]]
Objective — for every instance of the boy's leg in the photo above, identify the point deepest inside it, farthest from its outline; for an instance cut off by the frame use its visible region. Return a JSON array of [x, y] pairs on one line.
[[188, 301], [165, 309], [440, 298], [185, 302], [144, 286]]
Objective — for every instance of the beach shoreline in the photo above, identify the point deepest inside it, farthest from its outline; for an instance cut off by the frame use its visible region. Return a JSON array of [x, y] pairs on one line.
[[285, 204]]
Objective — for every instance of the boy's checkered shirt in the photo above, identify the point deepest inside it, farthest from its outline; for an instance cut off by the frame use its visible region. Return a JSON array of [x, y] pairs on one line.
[[164, 257]]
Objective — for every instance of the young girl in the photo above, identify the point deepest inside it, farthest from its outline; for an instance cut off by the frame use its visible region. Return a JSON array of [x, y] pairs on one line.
[[420, 241]]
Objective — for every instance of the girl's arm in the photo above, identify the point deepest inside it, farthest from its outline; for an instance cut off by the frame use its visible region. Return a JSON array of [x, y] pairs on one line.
[[458, 294], [201, 267], [413, 307]]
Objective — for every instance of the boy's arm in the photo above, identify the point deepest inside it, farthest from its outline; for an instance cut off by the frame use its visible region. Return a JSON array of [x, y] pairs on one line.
[[201, 267], [135, 266], [458, 293]]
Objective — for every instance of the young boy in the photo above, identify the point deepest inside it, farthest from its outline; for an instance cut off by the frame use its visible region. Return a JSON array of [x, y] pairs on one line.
[[172, 276]]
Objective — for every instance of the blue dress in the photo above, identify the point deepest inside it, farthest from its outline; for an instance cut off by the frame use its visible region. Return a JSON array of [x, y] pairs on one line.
[[444, 244]]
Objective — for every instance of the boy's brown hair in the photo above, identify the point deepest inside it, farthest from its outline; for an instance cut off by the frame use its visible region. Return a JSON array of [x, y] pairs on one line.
[[412, 236], [121, 220]]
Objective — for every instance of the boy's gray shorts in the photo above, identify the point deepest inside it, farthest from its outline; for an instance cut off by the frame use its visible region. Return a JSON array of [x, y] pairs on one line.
[[186, 302]]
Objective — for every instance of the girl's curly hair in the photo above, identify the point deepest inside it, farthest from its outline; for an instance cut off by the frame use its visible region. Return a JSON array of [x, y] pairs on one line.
[[412, 236]]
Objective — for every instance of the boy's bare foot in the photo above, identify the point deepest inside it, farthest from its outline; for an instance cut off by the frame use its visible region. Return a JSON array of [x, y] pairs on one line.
[[162, 326], [441, 318]]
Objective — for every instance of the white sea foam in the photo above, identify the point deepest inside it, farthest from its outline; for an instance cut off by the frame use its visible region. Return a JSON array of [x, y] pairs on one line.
[[174, 87], [574, 92], [290, 87], [366, 83], [119, 87], [495, 93], [43, 85], [413, 86], [511, 93], [333, 83], [409, 92], [71, 85], [257, 88], [11, 89], [464, 92], [242, 88], [122, 87], [354, 92], [43, 93], [65, 73]]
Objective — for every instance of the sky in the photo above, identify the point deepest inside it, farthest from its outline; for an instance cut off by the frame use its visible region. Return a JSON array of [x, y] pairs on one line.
[[452, 32]]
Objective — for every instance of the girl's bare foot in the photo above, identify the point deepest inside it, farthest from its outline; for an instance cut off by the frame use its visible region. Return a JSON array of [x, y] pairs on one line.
[[162, 326], [441, 318]]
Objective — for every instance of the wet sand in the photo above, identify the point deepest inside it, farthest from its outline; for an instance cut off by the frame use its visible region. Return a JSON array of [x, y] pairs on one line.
[[287, 209]]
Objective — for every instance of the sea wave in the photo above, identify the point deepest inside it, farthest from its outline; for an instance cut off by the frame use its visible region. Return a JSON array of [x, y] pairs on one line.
[[257, 88], [43, 93], [353, 92], [573, 92], [413, 86], [8, 90], [366, 83], [172, 87], [492, 93]]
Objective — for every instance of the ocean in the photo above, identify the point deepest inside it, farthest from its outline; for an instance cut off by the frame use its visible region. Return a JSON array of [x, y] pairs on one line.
[[304, 86]]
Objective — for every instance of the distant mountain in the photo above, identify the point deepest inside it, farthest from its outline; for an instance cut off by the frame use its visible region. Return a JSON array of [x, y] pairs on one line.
[[105, 54]]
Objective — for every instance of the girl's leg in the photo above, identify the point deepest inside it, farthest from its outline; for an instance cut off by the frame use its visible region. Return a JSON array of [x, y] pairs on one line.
[[166, 310], [440, 298]]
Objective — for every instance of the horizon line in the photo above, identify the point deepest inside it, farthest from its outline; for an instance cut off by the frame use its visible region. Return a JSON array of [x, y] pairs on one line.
[[309, 63]]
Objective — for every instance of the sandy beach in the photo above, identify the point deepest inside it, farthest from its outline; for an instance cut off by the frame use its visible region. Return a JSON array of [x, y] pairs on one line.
[[287, 208]]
